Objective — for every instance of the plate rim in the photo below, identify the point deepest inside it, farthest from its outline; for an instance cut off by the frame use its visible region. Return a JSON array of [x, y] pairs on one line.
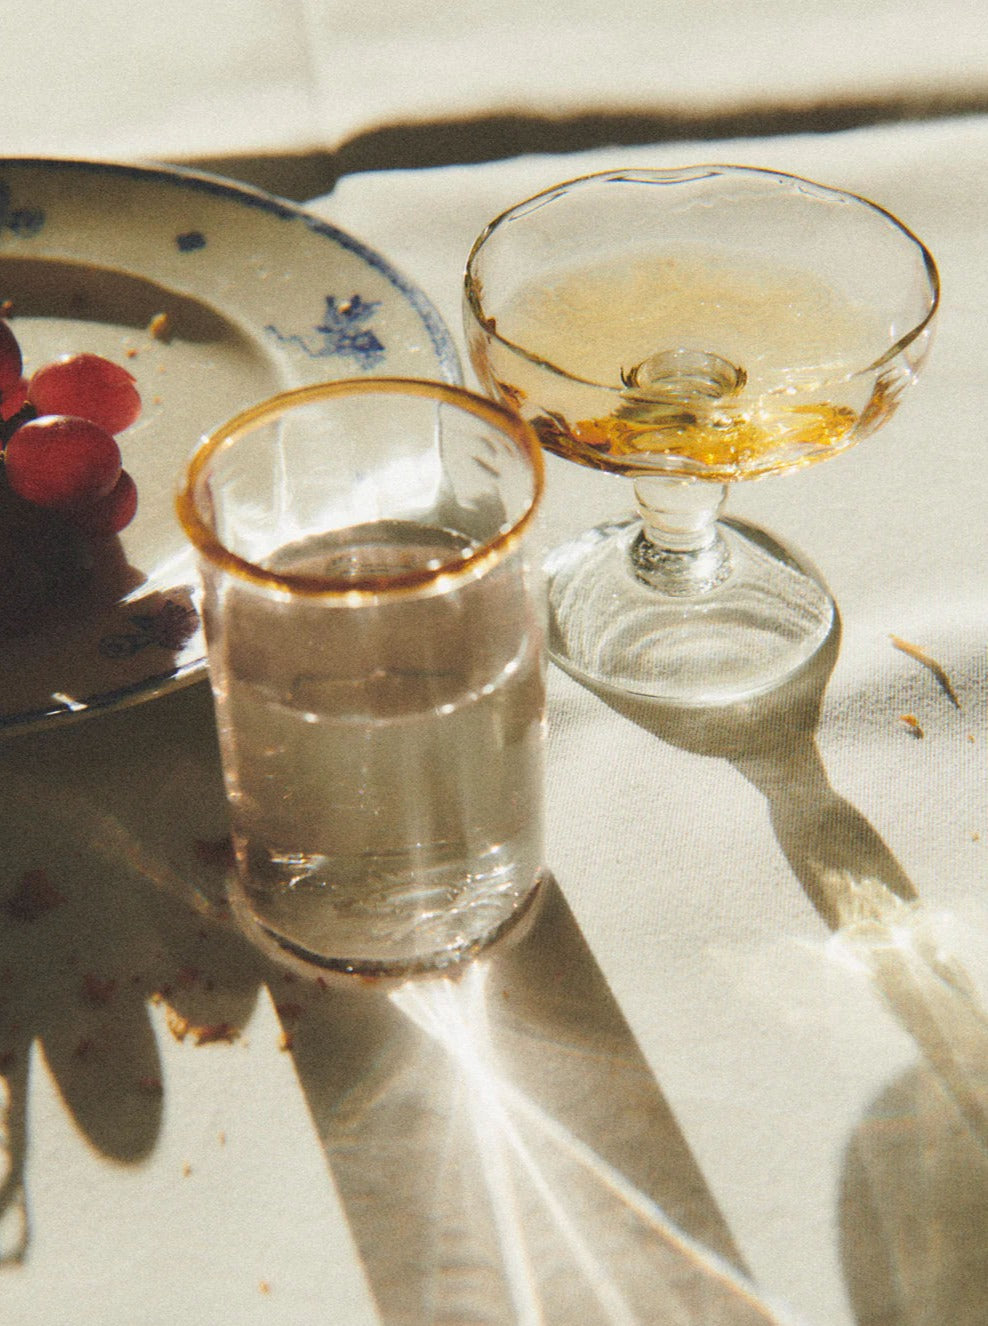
[[448, 368], [283, 208]]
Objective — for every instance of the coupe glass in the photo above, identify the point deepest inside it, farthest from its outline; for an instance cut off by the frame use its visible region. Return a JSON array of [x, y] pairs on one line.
[[690, 328]]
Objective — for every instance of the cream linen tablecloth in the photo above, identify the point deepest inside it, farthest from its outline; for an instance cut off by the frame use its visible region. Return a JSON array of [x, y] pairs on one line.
[[693, 1034], [706, 867], [182, 78], [698, 1094]]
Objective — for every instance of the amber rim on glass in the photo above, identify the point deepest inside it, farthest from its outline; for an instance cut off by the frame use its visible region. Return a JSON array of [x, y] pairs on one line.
[[415, 580], [473, 285]]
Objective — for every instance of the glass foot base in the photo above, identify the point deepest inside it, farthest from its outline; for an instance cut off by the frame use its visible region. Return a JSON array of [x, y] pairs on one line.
[[737, 639], [395, 962]]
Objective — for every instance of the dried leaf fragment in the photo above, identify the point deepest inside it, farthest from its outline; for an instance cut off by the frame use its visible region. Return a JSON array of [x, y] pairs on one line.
[[921, 656], [912, 723]]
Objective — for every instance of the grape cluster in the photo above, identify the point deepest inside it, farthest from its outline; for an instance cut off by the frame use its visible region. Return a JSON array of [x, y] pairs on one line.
[[57, 429]]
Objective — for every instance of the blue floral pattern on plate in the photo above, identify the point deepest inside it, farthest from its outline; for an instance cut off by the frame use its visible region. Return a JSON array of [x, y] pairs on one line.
[[24, 221], [343, 331]]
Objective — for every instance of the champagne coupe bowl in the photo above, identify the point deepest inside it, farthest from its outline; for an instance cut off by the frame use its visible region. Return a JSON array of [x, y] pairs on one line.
[[692, 328]]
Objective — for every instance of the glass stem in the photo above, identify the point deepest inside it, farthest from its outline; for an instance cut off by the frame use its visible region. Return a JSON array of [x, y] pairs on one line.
[[680, 550]]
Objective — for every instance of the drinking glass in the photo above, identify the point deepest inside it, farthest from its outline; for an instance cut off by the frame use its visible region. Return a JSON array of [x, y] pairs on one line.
[[691, 328], [375, 637]]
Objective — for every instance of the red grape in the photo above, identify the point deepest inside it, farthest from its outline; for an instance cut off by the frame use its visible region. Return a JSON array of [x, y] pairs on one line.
[[60, 461], [10, 361], [13, 399], [88, 386], [108, 515]]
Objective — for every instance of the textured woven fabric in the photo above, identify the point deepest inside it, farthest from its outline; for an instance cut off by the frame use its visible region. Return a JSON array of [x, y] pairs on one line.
[[700, 1090], [186, 80]]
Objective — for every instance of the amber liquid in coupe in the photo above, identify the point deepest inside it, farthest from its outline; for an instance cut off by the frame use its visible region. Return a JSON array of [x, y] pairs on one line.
[[785, 351]]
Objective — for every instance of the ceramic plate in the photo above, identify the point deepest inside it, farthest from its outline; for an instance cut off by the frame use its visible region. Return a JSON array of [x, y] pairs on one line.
[[213, 296]]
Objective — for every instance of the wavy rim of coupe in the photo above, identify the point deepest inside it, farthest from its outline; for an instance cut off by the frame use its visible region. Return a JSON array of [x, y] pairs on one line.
[[473, 284]]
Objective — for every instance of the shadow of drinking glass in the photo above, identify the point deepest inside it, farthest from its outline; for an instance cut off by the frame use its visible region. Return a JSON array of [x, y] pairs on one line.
[[500, 1147], [504, 1153], [919, 1147]]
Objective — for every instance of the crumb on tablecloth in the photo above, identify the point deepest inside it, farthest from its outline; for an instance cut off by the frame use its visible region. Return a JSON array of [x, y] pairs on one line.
[[160, 327]]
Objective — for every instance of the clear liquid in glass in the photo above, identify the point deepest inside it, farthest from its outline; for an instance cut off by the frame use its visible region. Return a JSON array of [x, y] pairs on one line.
[[384, 762]]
